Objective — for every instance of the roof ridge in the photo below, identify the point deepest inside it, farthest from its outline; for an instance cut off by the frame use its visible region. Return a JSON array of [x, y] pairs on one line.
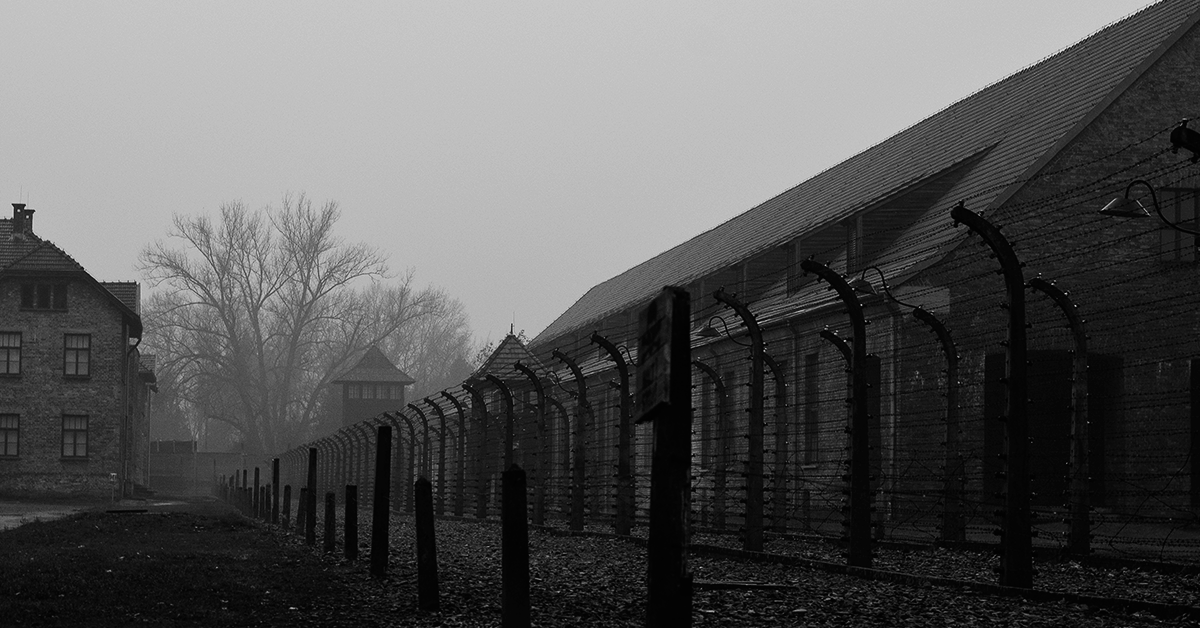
[[1024, 116], [43, 243], [1028, 67]]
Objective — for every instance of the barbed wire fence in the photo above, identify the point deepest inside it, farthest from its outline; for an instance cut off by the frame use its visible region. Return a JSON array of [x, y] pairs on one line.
[[935, 398]]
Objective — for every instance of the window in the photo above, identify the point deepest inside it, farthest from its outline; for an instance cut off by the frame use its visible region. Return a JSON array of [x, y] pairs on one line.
[[854, 244], [77, 355], [1178, 206], [74, 436], [10, 431], [10, 353], [368, 391], [812, 414], [1194, 448], [43, 296]]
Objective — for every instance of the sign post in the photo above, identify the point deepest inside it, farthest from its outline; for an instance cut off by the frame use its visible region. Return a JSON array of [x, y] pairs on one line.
[[664, 385]]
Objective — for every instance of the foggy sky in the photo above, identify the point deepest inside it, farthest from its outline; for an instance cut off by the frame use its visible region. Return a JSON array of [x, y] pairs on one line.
[[514, 154]]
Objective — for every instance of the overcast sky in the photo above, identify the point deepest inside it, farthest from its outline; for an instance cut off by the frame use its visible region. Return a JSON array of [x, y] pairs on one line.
[[514, 154]]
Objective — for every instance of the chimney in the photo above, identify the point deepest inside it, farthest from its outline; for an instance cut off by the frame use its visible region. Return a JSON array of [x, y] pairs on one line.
[[22, 220]]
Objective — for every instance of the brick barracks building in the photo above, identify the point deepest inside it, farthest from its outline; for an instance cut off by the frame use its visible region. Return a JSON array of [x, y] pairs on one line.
[[74, 390], [1037, 154]]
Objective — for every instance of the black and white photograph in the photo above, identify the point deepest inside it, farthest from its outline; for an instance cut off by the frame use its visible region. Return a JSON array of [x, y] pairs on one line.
[[561, 314]]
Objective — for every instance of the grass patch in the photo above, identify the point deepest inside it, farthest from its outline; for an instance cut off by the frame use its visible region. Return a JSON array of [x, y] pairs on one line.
[[162, 568]]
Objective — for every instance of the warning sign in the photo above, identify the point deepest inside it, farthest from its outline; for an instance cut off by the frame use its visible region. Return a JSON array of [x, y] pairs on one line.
[[654, 357]]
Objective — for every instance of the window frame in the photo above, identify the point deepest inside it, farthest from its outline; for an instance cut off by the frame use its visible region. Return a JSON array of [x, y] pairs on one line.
[[75, 442], [1175, 246], [811, 387], [55, 296], [6, 354], [6, 431], [82, 357], [854, 244]]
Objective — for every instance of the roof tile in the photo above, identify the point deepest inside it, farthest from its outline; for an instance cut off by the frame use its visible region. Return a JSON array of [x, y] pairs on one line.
[[374, 367], [1021, 117]]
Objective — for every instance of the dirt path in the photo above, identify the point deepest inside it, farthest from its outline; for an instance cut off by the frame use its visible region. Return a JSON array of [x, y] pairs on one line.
[[13, 513]]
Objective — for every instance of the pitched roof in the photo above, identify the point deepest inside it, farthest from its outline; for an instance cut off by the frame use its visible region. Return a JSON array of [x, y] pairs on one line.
[[1004, 130], [374, 367], [129, 293], [500, 362], [28, 254], [146, 363]]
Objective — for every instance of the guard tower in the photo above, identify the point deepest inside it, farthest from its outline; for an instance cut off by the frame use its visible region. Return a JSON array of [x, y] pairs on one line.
[[372, 386]]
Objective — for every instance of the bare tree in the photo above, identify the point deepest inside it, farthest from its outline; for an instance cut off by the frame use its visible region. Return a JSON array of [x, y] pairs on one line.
[[254, 313], [435, 349]]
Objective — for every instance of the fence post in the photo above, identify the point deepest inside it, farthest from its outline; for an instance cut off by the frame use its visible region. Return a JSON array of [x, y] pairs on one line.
[[461, 449], [540, 470], [287, 506], [514, 551], [410, 474], [351, 522], [427, 571], [426, 466], [780, 475], [255, 505], [310, 504], [753, 540], [394, 495], [578, 455], [330, 521], [953, 526], [274, 491], [479, 410], [441, 487], [509, 416], [559, 475], [1080, 532], [379, 508], [860, 419], [717, 500], [626, 485], [301, 510], [1016, 562]]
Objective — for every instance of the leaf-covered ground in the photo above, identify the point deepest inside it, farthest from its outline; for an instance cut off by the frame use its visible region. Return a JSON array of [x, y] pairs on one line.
[[218, 569]]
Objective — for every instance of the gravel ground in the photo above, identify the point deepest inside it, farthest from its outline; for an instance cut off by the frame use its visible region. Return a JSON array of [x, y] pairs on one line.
[[599, 581], [1058, 576]]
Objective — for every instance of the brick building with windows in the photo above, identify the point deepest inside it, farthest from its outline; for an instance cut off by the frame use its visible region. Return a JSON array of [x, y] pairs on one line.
[[74, 391], [1037, 154]]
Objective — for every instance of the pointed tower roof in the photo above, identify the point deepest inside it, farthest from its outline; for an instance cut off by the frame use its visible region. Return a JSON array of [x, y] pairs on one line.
[[374, 366], [500, 362]]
